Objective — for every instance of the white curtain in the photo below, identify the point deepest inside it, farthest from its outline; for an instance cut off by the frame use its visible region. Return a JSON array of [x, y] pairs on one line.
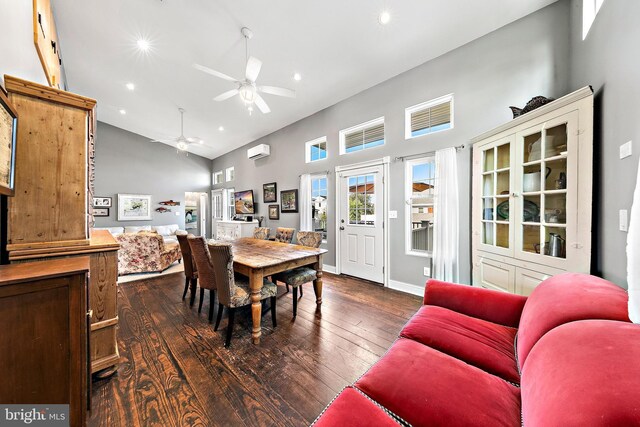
[[305, 203], [446, 217], [633, 255]]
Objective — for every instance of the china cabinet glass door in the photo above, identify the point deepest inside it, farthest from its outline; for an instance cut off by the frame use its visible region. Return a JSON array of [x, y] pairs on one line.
[[541, 190], [496, 183]]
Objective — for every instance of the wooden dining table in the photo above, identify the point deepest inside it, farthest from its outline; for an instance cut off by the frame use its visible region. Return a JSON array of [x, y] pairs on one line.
[[257, 259]]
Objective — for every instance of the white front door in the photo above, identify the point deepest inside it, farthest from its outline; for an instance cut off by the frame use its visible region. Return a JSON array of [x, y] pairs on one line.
[[360, 223], [203, 214]]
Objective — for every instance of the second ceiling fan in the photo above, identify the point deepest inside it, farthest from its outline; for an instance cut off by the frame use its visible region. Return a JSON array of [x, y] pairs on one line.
[[247, 88]]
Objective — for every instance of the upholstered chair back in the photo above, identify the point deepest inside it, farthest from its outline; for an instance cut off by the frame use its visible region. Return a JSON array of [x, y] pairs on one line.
[[200, 253], [187, 260], [312, 239], [285, 235], [261, 233], [222, 260]]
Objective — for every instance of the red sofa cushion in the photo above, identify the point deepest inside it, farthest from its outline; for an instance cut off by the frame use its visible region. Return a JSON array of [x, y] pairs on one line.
[[426, 387], [584, 373], [566, 298], [352, 409], [487, 345]]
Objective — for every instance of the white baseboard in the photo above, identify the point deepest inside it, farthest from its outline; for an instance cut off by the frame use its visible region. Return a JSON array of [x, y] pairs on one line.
[[406, 287], [329, 268]]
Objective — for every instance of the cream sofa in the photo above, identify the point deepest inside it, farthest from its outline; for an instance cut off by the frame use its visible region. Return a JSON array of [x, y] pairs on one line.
[[168, 232]]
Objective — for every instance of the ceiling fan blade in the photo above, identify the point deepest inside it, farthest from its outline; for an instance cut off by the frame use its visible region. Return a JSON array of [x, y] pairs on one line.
[[280, 91], [253, 68], [214, 73], [262, 106], [226, 95], [164, 141]]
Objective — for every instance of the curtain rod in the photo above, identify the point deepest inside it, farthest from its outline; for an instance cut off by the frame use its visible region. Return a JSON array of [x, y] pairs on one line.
[[327, 172], [429, 153]]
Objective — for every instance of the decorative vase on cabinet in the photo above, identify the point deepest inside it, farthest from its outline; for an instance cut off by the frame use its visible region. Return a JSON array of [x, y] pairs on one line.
[[532, 190]]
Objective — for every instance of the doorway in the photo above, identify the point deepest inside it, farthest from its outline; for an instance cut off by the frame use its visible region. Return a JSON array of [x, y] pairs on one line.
[[195, 213], [361, 247]]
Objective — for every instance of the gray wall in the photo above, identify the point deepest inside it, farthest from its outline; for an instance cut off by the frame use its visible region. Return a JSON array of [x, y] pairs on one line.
[[608, 60], [129, 163], [506, 67]]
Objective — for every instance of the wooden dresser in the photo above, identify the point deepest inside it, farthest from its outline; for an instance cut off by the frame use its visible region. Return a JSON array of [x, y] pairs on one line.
[[43, 345], [50, 215]]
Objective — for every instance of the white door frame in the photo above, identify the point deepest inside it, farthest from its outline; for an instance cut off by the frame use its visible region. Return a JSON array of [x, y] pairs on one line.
[[384, 162]]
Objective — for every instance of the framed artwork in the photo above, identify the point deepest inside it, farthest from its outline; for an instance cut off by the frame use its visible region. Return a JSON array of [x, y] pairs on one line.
[[289, 201], [274, 211], [102, 202], [8, 133], [100, 211], [134, 207], [270, 192]]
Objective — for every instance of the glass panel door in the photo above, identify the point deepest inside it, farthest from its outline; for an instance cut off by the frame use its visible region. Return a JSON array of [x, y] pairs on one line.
[[496, 191]]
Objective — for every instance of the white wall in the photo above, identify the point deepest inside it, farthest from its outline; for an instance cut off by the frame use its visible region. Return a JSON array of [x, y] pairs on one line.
[[18, 56]]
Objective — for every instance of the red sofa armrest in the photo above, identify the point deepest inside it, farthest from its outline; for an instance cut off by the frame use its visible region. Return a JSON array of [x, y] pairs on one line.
[[493, 306]]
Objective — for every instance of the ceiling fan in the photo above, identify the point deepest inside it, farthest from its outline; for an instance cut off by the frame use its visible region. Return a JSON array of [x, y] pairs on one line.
[[182, 142], [247, 88]]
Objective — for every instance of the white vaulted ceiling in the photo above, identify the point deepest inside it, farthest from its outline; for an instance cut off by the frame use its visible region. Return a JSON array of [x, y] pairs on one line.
[[338, 47]]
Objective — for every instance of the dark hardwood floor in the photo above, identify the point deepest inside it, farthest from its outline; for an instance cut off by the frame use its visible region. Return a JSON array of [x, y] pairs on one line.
[[174, 370]]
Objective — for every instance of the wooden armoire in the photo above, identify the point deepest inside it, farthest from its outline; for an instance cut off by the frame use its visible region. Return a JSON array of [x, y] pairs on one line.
[[50, 215]]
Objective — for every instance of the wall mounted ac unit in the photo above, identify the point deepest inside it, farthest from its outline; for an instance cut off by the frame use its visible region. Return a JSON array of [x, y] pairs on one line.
[[258, 152]]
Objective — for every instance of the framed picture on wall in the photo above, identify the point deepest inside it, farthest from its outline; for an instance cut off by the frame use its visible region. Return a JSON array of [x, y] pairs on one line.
[[134, 207], [102, 202], [8, 132], [289, 201], [270, 192], [100, 212], [274, 211]]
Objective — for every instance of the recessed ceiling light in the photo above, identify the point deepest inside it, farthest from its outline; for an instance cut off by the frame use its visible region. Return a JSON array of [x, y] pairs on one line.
[[123, 112], [221, 128], [297, 77], [384, 18], [201, 141], [130, 86], [143, 45]]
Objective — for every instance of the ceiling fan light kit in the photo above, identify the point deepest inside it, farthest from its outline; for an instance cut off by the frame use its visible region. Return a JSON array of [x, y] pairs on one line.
[[182, 142], [247, 88]]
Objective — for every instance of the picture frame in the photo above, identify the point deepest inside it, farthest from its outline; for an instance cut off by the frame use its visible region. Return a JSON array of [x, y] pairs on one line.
[[274, 211], [289, 201], [8, 139], [102, 202], [134, 207], [97, 212], [270, 192]]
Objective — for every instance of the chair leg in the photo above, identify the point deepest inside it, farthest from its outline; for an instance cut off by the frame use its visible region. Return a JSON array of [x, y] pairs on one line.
[[219, 317], [212, 299], [301, 293], [273, 311], [194, 288], [227, 341], [186, 287], [295, 301], [287, 287], [201, 299]]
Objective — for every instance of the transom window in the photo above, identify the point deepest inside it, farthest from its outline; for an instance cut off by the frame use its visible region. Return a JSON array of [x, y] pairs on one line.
[[420, 188], [363, 136], [217, 178], [319, 204], [316, 150], [429, 117], [230, 174], [362, 200]]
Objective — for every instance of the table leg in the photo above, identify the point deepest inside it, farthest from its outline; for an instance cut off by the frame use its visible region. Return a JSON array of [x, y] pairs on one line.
[[255, 284], [317, 284]]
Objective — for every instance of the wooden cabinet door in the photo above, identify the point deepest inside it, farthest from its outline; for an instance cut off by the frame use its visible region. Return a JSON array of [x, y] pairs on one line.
[[527, 280], [494, 275]]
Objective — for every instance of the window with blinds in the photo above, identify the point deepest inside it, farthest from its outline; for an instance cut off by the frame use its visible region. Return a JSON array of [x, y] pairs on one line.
[[429, 117], [363, 136]]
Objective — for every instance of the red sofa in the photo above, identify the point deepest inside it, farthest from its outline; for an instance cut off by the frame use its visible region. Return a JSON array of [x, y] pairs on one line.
[[565, 356]]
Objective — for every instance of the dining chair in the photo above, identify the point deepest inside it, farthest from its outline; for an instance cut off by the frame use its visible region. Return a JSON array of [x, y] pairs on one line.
[[261, 233], [301, 275], [233, 289], [190, 270], [206, 275], [285, 235]]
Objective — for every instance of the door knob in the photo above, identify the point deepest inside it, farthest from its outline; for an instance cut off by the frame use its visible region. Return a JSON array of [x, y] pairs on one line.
[[341, 228]]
